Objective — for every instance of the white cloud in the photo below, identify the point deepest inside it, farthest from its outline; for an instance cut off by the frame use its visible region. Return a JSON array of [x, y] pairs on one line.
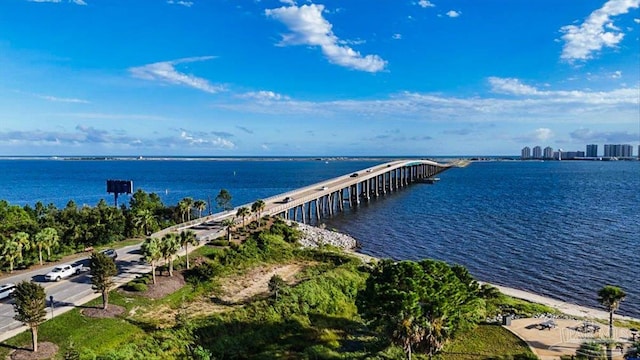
[[511, 86], [425, 3], [396, 36], [200, 140], [66, 100], [543, 134], [453, 13], [77, 2], [288, 2], [180, 2], [637, 21], [309, 27], [522, 103], [617, 74], [264, 95], [166, 72], [590, 36]]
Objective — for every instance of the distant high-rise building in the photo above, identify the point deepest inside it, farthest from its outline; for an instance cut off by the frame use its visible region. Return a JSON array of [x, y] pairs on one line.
[[638, 151], [592, 150], [525, 153], [537, 152], [618, 150], [548, 153]]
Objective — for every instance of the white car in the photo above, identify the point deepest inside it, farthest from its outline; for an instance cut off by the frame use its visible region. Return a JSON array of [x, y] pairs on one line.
[[6, 290], [63, 271]]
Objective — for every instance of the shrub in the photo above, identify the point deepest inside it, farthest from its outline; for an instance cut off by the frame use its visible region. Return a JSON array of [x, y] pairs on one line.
[[203, 272], [139, 287], [219, 242]]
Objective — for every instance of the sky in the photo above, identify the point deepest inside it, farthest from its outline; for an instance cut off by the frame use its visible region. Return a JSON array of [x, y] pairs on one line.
[[317, 78]]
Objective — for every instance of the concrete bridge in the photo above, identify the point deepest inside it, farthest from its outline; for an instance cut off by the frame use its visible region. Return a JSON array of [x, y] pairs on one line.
[[315, 201], [311, 203]]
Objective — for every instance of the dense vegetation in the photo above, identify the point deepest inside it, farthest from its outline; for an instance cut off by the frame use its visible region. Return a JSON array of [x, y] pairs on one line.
[[313, 316], [29, 235]]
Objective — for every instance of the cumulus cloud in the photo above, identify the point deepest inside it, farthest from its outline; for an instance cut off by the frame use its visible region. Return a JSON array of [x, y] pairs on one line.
[[425, 3], [617, 74], [637, 21], [581, 41], [180, 2], [309, 27], [166, 72], [396, 36], [453, 13]]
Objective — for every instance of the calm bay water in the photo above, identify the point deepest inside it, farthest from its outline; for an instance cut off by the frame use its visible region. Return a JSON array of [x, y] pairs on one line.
[[561, 229]]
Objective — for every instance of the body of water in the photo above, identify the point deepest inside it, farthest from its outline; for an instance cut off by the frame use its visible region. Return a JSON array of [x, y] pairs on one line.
[[560, 229]]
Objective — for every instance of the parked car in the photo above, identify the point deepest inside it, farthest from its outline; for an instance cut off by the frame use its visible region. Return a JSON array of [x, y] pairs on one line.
[[6, 290], [110, 253], [63, 271]]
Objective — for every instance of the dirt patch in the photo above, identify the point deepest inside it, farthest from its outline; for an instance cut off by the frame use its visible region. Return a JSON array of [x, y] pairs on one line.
[[111, 312], [46, 350], [165, 317], [244, 287], [164, 286]]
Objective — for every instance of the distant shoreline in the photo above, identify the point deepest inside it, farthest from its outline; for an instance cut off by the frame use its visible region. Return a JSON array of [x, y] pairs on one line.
[[443, 158]]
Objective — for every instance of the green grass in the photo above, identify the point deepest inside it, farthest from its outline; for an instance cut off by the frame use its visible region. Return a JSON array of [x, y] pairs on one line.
[[486, 342], [93, 335]]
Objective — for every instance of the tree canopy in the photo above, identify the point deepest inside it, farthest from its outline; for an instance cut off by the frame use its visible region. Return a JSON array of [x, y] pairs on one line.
[[103, 269], [30, 307], [419, 305]]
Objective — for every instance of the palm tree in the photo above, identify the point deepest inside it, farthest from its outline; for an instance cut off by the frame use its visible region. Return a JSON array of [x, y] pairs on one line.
[[24, 243], [243, 212], [200, 205], [228, 223], [610, 297], [169, 246], [151, 251], [185, 206], [43, 238], [10, 252], [257, 207], [187, 237], [144, 220], [51, 242]]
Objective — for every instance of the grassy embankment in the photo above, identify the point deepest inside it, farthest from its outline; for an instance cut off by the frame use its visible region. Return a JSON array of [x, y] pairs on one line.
[[313, 316]]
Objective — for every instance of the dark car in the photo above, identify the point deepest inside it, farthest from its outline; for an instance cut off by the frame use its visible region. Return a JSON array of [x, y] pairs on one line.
[[287, 199], [354, 175], [110, 253]]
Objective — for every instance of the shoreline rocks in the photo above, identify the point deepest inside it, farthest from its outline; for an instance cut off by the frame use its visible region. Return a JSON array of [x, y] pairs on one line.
[[315, 237]]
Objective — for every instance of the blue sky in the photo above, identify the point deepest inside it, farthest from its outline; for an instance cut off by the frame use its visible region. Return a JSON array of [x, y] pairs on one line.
[[287, 78]]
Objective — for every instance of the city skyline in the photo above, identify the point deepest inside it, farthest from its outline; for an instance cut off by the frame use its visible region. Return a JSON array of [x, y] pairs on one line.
[[291, 78], [591, 151]]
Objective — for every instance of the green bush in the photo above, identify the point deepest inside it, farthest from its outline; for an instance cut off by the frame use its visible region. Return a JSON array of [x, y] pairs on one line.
[[219, 242], [203, 272], [139, 287]]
